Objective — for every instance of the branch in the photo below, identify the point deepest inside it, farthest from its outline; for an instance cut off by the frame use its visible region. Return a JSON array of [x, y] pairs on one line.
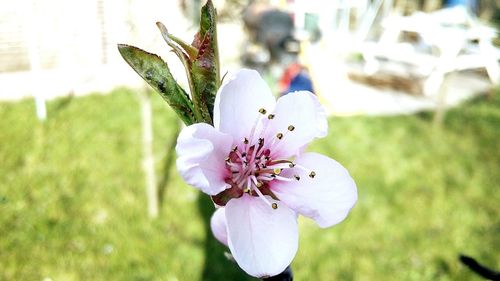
[[286, 275]]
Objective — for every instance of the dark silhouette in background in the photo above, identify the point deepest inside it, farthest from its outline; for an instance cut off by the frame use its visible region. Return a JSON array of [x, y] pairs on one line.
[[270, 27]]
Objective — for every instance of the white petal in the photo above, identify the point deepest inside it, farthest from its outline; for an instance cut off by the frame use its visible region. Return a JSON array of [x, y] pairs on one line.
[[303, 111], [263, 240], [238, 101], [219, 226], [327, 198], [201, 151]]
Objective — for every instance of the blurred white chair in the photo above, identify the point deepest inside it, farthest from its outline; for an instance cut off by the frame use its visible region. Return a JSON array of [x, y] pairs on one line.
[[461, 43]]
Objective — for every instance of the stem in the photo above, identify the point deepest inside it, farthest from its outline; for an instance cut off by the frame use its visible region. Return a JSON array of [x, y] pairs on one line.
[[286, 275], [216, 53]]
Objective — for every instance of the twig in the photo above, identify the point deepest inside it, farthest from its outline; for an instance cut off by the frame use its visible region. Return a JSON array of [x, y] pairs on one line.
[[168, 162], [483, 271], [286, 275]]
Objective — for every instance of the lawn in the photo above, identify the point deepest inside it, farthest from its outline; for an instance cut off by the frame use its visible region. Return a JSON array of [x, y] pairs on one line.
[[72, 198]]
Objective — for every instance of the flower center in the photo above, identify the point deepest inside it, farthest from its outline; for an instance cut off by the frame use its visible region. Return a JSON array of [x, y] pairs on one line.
[[252, 166]]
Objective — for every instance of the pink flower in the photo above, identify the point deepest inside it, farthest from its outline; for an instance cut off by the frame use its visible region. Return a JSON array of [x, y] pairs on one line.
[[251, 162]]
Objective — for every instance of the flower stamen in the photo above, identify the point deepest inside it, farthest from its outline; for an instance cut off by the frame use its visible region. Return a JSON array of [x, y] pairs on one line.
[[252, 164], [259, 193], [262, 111], [275, 145], [282, 178]]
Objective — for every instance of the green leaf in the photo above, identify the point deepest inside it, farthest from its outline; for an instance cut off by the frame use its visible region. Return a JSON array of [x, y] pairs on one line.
[[186, 61], [156, 72], [206, 67], [171, 40], [201, 111]]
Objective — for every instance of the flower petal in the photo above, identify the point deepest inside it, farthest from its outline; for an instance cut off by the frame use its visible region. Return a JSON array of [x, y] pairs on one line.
[[238, 101], [263, 240], [303, 111], [327, 198], [201, 151], [219, 226]]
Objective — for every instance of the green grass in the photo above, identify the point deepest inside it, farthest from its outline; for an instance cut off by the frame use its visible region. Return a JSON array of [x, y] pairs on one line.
[[72, 199]]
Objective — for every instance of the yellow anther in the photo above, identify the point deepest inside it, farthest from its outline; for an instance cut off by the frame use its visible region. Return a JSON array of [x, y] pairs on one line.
[[279, 135], [312, 174], [277, 171], [270, 116], [247, 190], [291, 128], [262, 111], [274, 205], [259, 184]]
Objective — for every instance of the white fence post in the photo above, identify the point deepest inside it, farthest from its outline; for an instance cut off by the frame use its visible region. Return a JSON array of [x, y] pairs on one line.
[[34, 58], [148, 163]]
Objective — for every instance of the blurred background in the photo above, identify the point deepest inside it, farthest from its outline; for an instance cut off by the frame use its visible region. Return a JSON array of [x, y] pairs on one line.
[[88, 184]]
